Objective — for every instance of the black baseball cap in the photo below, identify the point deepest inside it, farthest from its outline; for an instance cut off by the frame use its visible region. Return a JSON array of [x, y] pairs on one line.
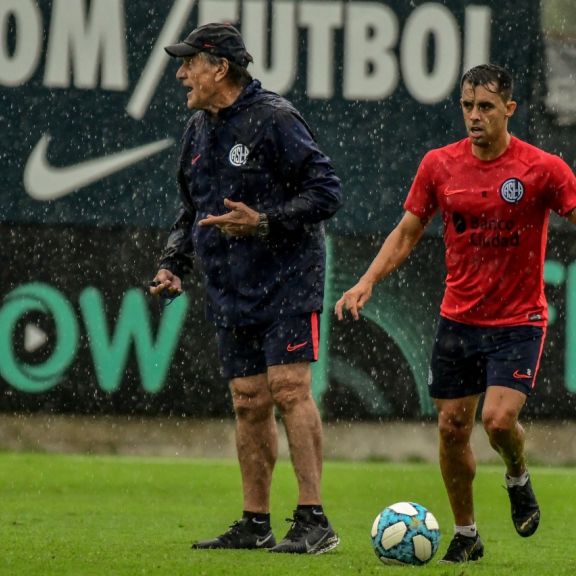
[[215, 38]]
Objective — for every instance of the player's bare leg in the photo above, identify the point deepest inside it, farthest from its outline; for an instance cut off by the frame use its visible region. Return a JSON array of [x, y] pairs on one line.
[[291, 389], [256, 439], [455, 424], [500, 413], [457, 462], [500, 418]]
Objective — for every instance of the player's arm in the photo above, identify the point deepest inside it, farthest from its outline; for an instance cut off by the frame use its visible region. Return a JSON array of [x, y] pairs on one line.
[[562, 188], [393, 252]]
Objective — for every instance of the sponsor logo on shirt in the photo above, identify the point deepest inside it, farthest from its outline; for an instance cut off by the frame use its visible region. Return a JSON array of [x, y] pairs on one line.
[[487, 232]]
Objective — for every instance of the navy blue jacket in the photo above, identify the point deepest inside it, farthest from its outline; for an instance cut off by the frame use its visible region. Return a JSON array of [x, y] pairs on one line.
[[261, 152]]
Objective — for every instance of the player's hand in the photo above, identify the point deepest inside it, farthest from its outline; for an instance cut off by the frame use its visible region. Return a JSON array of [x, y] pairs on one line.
[[353, 300], [240, 221], [165, 284]]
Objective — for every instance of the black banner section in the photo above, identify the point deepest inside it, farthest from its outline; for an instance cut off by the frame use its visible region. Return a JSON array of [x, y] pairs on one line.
[[79, 334], [92, 112]]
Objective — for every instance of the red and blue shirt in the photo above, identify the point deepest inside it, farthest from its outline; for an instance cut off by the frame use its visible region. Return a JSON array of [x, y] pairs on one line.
[[495, 216]]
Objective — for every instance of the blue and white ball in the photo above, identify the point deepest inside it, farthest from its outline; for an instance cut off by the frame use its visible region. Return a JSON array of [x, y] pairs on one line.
[[405, 533]]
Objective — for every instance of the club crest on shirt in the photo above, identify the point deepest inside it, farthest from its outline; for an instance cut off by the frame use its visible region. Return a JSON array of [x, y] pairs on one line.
[[512, 190], [238, 155]]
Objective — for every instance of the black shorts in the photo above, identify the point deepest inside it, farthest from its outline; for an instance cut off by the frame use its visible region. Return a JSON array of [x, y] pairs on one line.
[[467, 359], [249, 350]]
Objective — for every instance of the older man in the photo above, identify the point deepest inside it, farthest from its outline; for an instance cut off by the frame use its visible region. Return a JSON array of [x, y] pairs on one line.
[[255, 189]]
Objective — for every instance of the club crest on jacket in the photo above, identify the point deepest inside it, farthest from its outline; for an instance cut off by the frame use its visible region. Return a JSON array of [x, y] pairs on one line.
[[238, 155]]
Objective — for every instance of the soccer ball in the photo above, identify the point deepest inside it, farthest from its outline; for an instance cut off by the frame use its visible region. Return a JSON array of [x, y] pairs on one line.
[[405, 533]]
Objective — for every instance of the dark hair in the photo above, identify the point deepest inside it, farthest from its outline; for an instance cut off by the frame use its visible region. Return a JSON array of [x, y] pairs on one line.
[[490, 74], [237, 74]]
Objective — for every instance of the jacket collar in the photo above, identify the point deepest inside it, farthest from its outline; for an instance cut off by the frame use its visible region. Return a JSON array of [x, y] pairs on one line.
[[252, 93]]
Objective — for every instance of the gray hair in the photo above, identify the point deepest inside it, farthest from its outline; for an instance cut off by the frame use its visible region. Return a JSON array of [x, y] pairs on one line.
[[237, 74]]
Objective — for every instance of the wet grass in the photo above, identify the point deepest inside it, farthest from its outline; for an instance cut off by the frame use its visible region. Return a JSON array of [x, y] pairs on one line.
[[80, 515]]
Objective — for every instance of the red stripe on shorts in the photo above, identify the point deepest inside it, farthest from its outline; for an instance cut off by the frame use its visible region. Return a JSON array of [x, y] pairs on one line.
[[315, 334], [539, 356]]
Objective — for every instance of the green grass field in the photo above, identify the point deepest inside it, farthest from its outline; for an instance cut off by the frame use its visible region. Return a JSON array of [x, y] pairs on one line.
[[107, 516]]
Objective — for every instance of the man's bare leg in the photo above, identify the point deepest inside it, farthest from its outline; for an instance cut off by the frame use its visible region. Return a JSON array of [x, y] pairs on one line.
[[500, 413], [311, 532], [455, 424], [256, 443], [256, 439], [457, 462], [290, 385]]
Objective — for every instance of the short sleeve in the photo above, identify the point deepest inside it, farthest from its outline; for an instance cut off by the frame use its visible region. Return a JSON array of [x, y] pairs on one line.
[[562, 186], [421, 200]]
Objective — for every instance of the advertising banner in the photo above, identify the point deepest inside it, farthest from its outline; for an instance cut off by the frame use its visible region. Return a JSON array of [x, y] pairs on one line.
[[92, 113], [91, 116]]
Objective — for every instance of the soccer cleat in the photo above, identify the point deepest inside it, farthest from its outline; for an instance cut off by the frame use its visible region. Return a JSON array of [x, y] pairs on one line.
[[463, 549], [308, 535], [239, 536], [525, 509]]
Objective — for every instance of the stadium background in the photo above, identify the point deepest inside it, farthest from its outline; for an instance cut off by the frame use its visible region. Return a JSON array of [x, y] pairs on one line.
[[378, 82]]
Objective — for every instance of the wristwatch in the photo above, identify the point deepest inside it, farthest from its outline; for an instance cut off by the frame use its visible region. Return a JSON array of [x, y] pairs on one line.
[[263, 226]]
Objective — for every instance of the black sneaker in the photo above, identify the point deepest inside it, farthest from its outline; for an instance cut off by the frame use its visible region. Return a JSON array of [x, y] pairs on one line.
[[307, 535], [239, 536], [525, 509], [463, 549]]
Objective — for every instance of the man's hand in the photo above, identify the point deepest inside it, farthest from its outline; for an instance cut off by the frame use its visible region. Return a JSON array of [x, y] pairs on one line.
[[240, 221], [354, 299], [166, 284]]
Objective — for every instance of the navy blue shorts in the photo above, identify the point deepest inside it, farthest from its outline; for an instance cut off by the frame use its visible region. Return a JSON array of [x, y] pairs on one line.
[[467, 359], [249, 350]]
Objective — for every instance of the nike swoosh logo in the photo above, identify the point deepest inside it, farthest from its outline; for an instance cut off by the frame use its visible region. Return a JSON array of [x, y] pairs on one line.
[[316, 546], [458, 191], [518, 375], [527, 523], [44, 182], [262, 541], [292, 347]]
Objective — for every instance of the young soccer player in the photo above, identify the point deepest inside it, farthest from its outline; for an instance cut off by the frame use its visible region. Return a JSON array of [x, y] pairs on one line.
[[494, 193]]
